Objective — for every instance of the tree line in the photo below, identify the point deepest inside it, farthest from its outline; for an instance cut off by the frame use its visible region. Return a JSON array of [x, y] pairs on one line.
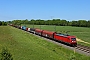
[[2, 23], [58, 22]]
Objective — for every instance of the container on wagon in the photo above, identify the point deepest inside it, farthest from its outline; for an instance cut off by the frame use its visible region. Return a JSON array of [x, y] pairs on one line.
[[32, 30], [23, 27], [28, 29]]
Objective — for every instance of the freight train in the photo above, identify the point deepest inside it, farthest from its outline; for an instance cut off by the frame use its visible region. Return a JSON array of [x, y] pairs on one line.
[[68, 39]]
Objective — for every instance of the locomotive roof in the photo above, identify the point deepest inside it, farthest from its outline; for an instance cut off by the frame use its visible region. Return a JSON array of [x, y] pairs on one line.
[[60, 34]]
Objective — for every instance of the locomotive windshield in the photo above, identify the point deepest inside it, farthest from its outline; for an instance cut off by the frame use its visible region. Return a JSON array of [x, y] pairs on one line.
[[73, 39]]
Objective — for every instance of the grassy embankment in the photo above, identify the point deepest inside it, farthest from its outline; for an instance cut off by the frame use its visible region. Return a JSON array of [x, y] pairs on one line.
[[25, 46]]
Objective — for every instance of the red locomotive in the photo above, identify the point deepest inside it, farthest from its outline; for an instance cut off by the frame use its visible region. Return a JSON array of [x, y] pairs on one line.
[[66, 38]]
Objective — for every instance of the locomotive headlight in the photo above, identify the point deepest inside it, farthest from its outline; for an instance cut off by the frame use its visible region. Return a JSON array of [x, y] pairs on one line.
[[72, 41]]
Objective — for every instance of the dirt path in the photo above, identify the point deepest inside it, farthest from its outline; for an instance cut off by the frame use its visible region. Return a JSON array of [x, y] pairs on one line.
[[82, 41]]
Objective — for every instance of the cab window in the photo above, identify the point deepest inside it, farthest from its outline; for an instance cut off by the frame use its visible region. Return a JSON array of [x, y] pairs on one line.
[[73, 39]]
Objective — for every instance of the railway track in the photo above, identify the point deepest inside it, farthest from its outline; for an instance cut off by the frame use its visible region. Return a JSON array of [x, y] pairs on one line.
[[83, 48]]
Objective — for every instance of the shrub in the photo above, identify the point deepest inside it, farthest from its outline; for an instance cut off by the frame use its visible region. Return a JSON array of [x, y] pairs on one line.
[[72, 57], [5, 54]]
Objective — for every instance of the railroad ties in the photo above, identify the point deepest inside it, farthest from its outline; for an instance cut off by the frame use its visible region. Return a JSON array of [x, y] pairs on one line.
[[83, 48]]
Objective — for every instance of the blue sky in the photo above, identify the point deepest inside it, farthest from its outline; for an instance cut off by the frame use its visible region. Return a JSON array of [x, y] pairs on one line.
[[44, 9]]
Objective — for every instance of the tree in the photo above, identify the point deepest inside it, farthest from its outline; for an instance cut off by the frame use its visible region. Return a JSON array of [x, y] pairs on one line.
[[74, 23], [88, 23], [79, 23], [3, 23], [63, 23], [82, 23], [0, 23]]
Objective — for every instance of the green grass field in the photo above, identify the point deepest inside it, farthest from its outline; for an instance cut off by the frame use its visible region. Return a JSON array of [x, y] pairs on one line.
[[80, 32], [25, 46]]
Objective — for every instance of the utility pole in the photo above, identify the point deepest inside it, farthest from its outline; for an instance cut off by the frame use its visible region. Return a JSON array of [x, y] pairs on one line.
[[54, 25], [33, 24], [40, 26], [74, 50], [55, 28]]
